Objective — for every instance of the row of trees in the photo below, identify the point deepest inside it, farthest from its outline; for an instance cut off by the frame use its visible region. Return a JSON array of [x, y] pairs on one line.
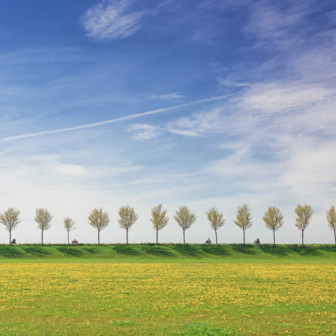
[[99, 219]]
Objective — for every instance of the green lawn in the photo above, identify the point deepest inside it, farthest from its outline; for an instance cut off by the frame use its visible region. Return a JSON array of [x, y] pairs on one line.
[[169, 253], [167, 290]]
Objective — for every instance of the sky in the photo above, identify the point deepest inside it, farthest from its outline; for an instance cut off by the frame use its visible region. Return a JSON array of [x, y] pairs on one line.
[[203, 103]]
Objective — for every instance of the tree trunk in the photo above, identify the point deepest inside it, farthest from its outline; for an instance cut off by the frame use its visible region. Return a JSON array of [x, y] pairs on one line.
[[157, 236], [273, 237], [302, 238], [335, 236], [68, 238], [126, 235], [183, 236], [42, 236], [244, 236], [98, 237], [216, 237], [10, 237]]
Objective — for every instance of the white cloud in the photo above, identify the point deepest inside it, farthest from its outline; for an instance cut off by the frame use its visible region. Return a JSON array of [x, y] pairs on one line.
[[199, 123], [70, 169], [268, 22], [132, 116], [50, 164], [229, 82], [114, 171], [277, 97], [108, 20], [186, 132], [170, 96], [144, 131], [317, 62], [311, 168]]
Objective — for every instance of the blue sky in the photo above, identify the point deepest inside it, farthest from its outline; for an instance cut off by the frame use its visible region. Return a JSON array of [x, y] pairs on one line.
[[203, 103]]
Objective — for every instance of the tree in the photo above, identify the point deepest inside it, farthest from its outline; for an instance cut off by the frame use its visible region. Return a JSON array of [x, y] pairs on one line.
[[304, 214], [331, 218], [43, 219], [273, 219], [159, 219], [216, 219], [69, 226], [184, 219], [243, 218], [99, 220], [127, 218], [10, 219]]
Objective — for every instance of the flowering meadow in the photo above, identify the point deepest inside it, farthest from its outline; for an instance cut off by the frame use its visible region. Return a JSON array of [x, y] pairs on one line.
[[167, 299]]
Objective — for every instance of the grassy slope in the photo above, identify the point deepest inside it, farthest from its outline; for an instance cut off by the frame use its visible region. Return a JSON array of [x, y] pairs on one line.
[[169, 253], [172, 299], [214, 299]]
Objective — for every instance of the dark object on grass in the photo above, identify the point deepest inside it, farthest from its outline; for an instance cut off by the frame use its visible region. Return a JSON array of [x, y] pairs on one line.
[[208, 241], [13, 241], [75, 241], [257, 241]]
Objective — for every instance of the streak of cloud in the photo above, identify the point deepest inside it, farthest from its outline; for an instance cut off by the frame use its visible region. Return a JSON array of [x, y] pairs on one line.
[[110, 121]]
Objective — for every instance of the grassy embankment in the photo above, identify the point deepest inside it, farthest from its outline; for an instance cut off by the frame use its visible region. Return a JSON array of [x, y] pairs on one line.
[[168, 253]]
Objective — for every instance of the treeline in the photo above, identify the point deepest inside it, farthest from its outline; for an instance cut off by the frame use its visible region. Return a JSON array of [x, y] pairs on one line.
[[99, 219]]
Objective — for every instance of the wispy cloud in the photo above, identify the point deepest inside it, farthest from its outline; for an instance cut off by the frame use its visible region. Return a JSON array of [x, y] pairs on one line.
[[170, 96], [51, 164], [197, 124], [281, 97], [229, 82], [133, 116], [144, 131], [70, 169], [269, 23], [109, 20]]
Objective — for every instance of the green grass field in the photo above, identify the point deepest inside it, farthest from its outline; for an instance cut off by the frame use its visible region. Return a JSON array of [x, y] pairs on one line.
[[167, 290], [169, 253]]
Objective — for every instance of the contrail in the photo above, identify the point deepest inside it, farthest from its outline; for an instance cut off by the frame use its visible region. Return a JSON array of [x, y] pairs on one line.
[[137, 115]]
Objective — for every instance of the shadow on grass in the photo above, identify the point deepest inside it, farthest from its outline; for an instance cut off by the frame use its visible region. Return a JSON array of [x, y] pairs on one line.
[[189, 250], [308, 251], [127, 250], [157, 250], [245, 249], [92, 250], [327, 248], [216, 250], [70, 251], [280, 251], [11, 252], [36, 251]]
